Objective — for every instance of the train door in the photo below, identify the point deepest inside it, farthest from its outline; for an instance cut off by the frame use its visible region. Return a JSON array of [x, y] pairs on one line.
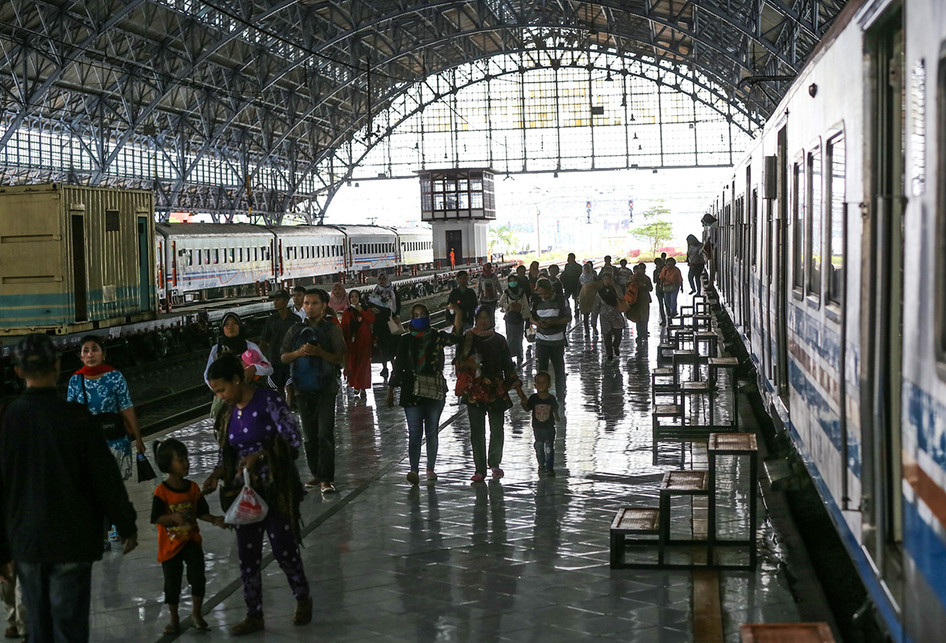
[[769, 335], [883, 290], [781, 267], [145, 286], [454, 240], [79, 289]]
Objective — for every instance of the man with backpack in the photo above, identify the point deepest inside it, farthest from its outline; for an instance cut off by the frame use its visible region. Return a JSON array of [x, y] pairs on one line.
[[315, 352]]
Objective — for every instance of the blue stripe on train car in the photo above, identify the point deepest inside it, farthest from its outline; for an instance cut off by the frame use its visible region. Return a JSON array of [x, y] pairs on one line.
[[22, 311], [926, 549], [815, 401], [864, 566]]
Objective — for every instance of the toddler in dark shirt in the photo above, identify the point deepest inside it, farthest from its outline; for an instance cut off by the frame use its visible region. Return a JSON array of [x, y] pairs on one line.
[[544, 409]]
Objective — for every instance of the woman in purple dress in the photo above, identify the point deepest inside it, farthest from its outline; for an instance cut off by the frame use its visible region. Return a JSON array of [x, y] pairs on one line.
[[262, 441]]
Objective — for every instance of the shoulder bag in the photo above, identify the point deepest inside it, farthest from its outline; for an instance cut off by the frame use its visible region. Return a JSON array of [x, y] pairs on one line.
[[112, 424]]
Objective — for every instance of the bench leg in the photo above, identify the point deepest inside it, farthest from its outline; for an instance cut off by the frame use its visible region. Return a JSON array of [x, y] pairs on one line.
[[617, 550]]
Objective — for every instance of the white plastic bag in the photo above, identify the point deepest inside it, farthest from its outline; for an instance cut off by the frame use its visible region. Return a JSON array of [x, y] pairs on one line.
[[247, 508]]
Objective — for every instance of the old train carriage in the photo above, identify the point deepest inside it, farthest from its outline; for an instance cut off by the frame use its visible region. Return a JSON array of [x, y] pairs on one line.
[[306, 252], [206, 260], [369, 247], [415, 246], [75, 258]]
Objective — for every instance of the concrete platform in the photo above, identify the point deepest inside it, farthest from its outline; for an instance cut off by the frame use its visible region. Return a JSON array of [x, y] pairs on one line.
[[522, 558]]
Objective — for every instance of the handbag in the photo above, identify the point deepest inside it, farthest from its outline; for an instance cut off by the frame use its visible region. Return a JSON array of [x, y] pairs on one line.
[[394, 326], [112, 424], [145, 470], [248, 508]]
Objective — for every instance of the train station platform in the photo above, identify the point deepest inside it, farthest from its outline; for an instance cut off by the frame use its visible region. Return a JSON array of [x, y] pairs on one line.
[[521, 558]]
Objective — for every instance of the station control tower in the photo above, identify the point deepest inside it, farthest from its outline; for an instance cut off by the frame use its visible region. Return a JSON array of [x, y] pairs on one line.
[[459, 204]]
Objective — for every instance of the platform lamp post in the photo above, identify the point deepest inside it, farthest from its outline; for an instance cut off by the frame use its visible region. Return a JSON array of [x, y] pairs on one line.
[[538, 233]]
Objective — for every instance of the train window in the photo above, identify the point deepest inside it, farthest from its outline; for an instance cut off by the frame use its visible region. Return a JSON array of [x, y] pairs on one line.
[[939, 278], [798, 225], [835, 231], [190, 257], [206, 256], [815, 212], [232, 253], [754, 222]]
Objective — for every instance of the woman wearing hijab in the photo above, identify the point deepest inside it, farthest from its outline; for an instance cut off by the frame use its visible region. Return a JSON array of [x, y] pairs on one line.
[[385, 304], [588, 283], [338, 299], [515, 303], [485, 376], [639, 311], [356, 327], [255, 366], [605, 309], [418, 372]]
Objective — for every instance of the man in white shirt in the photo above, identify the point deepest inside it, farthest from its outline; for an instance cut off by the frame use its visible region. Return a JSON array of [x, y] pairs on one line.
[[298, 294]]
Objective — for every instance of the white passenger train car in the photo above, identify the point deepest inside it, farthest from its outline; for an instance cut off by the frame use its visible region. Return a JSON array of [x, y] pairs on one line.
[[307, 251], [415, 246], [204, 260], [831, 258], [369, 247]]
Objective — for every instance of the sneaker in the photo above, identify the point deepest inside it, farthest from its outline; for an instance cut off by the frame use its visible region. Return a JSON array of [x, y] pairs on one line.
[[364, 394], [384, 372], [328, 487], [498, 473], [412, 477], [113, 535], [692, 291], [431, 475], [477, 477]]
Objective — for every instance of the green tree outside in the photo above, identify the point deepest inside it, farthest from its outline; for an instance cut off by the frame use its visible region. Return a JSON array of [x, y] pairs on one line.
[[657, 231]]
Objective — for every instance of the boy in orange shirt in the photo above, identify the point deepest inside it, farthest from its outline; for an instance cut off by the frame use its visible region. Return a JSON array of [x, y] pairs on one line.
[[176, 506]]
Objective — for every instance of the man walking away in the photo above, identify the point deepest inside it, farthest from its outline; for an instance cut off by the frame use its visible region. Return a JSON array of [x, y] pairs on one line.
[[59, 486], [570, 276]]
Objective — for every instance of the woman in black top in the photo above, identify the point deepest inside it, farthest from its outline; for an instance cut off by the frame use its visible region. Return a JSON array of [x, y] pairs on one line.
[[485, 375], [418, 372]]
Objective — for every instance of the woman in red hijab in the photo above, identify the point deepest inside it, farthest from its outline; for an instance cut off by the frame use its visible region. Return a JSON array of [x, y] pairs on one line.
[[356, 326]]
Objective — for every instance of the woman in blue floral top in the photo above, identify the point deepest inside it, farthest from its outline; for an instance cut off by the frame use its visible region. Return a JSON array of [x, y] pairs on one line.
[[104, 390]]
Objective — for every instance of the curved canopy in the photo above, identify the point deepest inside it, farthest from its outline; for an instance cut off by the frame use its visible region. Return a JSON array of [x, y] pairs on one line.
[[227, 106]]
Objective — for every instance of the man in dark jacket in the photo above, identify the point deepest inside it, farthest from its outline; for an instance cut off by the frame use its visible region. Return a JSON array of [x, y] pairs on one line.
[[570, 277], [58, 484]]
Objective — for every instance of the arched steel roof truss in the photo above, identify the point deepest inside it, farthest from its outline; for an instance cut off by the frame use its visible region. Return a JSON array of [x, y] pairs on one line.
[[275, 92]]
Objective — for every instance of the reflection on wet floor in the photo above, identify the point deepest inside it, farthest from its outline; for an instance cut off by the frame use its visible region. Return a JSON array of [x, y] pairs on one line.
[[521, 558]]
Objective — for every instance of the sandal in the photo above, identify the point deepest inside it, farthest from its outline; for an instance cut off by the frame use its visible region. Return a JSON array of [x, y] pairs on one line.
[[172, 629], [199, 623], [477, 477], [247, 626]]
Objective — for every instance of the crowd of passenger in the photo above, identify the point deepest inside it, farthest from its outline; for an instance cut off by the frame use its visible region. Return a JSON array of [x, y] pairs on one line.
[[63, 462]]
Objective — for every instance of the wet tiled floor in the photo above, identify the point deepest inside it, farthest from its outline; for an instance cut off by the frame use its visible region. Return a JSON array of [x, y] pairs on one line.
[[521, 558]]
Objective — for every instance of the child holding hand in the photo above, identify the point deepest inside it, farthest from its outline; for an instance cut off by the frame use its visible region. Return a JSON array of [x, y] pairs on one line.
[[175, 509], [544, 409]]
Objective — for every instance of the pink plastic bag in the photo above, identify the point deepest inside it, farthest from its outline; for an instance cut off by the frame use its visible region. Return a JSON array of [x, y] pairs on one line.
[[247, 508]]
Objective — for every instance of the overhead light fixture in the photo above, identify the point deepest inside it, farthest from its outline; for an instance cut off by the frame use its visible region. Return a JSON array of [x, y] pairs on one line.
[[555, 174], [640, 148], [635, 136], [608, 77], [655, 170]]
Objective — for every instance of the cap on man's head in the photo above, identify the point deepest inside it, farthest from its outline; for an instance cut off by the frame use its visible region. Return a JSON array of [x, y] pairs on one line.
[[280, 293], [35, 352]]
